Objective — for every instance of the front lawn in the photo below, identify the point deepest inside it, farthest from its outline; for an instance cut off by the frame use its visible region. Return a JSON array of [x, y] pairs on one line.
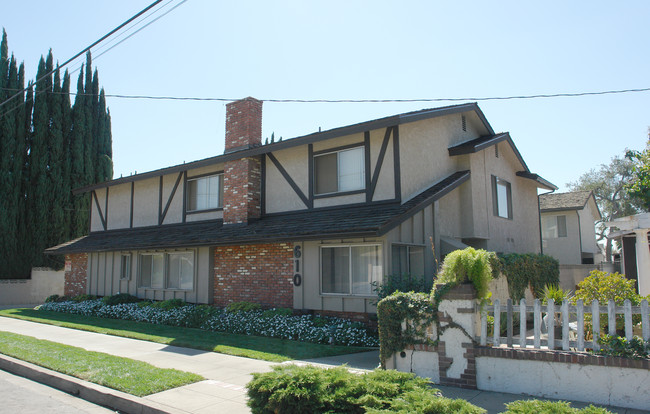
[[122, 374], [264, 348]]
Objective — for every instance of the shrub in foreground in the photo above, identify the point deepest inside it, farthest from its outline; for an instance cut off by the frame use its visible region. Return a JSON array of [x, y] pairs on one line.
[[550, 407], [308, 389]]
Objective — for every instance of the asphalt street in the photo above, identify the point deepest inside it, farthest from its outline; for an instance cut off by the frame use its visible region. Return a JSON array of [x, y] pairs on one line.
[[20, 395]]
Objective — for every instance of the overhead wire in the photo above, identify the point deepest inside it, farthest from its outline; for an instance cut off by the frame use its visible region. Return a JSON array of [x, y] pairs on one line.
[[135, 25], [86, 49]]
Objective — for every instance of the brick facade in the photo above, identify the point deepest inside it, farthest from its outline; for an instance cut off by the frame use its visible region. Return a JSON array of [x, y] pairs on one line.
[[260, 273], [242, 181], [76, 279]]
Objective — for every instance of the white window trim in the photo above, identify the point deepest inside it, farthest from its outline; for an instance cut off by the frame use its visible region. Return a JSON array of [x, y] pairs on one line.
[[203, 177], [166, 270], [496, 181], [320, 269], [337, 152]]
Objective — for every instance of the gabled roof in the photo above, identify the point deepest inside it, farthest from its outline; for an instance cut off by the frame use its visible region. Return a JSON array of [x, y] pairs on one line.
[[576, 200], [486, 141], [365, 220], [303, 140]]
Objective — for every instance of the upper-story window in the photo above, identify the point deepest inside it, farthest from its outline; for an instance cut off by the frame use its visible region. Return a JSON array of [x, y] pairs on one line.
[[205, 193], [553, 227], [501, 197], [339, 171]]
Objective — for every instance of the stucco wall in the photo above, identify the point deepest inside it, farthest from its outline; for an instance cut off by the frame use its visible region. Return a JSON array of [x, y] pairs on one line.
[[565, 249], [588, 228], [43, 283], [608, 385]]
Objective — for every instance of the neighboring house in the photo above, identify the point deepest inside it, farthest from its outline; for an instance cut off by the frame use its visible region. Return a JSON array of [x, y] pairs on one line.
[[632, 233], [311, 222], [568, 227]]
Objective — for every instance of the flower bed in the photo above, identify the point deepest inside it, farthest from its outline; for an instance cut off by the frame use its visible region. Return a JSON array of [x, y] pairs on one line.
[[306, 328]]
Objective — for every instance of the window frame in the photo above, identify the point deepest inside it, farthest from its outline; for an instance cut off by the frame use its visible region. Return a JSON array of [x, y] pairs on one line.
[[556, 228], [166, 269], [188, 195], [380, 260], [408, 256], [496, 182], [125, 271], [337, 151]]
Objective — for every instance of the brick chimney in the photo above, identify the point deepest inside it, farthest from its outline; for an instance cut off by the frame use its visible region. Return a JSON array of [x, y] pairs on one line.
[[242, 178]]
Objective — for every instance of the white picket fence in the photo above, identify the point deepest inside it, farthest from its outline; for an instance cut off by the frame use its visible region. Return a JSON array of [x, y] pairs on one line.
[[571, 319]]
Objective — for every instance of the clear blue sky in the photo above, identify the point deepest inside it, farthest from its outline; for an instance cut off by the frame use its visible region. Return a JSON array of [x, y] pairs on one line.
[[358, 50]]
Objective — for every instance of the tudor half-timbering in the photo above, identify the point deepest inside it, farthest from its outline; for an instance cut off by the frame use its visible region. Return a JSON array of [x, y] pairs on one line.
[[310, 222]]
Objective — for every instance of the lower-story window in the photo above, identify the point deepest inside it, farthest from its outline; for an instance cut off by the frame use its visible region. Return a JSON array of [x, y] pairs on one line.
[[167, 270], [407, 259], [350, 269]]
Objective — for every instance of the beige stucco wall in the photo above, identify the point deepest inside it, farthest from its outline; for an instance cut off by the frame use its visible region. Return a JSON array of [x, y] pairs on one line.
[[280, 197], [588, 217], [146, 200], [104, 277], [623, 387], [424, 158], [565, 249], [43, 283]]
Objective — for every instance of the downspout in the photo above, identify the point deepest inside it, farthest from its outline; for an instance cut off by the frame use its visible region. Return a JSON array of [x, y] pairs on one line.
[[539, 222]]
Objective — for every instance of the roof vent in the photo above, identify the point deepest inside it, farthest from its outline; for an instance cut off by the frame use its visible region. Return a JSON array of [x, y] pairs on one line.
[[463, 122]]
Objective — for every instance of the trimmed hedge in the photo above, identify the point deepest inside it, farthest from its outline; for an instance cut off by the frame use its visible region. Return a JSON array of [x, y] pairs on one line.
[[550, 407], [308, 389]]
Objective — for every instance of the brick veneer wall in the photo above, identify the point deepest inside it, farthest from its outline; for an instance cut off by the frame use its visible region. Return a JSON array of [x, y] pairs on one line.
[[260, 273], [242, 182], [76, 279]]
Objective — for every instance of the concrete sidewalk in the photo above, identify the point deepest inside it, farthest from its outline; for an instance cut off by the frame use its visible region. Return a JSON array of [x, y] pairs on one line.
[[226, 376]]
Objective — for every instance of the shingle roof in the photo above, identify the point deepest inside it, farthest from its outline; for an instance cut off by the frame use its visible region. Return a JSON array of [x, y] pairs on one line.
[[362, 220], [564, 201]]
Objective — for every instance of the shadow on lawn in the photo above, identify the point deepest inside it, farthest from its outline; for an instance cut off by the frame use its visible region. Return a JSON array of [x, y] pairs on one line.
[[270, 349]]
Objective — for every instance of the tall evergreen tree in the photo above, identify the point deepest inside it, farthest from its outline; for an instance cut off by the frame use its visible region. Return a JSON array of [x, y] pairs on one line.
[[38, 200], [47, 148], [81, 202], [56, 190]]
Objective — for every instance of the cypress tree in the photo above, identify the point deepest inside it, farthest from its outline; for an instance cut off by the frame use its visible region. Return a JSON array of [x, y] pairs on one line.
[[66, 127], [90, 146], [56, 189], [7, 144], [38, 200], [79, 225]]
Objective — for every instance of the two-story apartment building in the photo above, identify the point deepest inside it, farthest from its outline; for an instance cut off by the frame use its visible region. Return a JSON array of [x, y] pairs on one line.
[[309, 222]]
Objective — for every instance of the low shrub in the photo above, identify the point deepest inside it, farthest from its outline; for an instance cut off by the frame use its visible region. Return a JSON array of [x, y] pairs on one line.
[[307, 328], [603, 286], [556, 293], [400, 283], [54, 298], [308, 389], [243, 307], [169, 304], [550, 407], [613, 345], [120, 298], [277, 311], [83, 298]]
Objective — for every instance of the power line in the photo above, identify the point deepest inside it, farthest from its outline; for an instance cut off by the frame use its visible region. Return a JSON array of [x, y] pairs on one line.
[[492, 98], [86, 49]]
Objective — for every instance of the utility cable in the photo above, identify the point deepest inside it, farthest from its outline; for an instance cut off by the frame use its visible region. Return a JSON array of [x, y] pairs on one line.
[[87, 48]]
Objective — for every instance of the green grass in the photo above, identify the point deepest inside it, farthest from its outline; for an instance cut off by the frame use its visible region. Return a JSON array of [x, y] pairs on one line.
[[256, 347], [123, 374]]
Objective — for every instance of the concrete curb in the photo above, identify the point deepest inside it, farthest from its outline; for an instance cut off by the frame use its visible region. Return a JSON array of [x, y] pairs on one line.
[[97, 394]]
